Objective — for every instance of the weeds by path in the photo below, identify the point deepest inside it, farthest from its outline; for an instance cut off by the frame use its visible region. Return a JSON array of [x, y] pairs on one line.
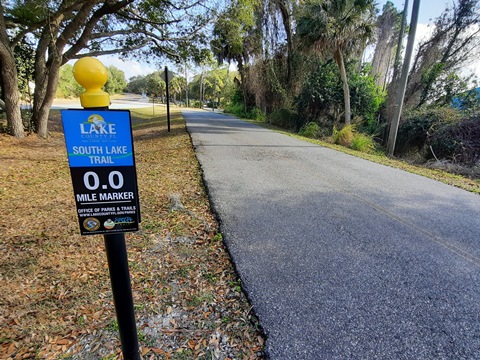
[[56, 300]]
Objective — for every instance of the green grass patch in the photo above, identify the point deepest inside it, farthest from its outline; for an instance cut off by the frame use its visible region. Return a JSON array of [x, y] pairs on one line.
[[363, 143]]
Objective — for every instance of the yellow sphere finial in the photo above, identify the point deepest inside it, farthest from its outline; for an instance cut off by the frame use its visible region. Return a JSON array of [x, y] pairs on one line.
[[92, 75]]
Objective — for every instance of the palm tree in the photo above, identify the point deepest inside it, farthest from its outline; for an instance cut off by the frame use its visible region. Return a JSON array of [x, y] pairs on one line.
[[177, 86], [338, 29], [234, 38]]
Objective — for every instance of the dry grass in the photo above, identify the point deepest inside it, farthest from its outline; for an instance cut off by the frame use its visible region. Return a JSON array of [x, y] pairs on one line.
[[56, 299]]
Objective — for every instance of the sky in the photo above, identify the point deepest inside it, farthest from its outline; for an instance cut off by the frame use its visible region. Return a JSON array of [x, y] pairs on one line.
[[429, 10], [130, 68]]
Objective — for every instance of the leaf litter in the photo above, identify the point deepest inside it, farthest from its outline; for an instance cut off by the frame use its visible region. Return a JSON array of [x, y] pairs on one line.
[[56, 298]]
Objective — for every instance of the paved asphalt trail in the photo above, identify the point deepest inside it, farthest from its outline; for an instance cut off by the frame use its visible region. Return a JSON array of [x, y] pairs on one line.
[[343, 258]]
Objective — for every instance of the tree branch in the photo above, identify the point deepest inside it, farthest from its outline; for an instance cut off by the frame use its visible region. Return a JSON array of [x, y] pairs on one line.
[[128, 16], [74, 24], [464, 43], [107, 52], [30, 27], [87, 30]]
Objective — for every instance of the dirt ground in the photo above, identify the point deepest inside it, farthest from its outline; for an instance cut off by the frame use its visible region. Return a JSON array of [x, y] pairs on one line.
[[56, 299]]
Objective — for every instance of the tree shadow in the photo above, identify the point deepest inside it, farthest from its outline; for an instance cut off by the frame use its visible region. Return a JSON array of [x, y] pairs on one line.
[[343, 275]]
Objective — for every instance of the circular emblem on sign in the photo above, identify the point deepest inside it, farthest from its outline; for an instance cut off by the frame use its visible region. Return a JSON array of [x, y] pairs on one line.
[[91, 224], [109, 224], [97, 120]]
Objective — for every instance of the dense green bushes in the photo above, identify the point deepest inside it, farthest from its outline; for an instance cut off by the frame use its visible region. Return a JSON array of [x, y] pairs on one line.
[[236, 106], [284, 118], [238, 110], [311, 130], [445, 133], [195, 103], [321, 97], [442, 133], [349, 137], [417, 125], [458, 142]]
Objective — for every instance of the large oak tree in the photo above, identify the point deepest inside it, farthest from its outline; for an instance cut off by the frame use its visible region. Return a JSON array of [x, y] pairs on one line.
[[64, 29]]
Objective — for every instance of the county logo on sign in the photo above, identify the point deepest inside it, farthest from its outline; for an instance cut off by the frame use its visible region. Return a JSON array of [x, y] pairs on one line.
[[109, 224], [96, 125], [91, 224], [98, 138]]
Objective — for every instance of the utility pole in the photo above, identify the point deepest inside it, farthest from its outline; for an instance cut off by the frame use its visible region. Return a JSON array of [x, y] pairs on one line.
[[214, 92], [186, 84], [201, 91], [168, 98], [400, 95]]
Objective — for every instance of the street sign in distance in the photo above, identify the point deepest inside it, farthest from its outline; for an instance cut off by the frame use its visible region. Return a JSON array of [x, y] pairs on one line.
[[170, 76]]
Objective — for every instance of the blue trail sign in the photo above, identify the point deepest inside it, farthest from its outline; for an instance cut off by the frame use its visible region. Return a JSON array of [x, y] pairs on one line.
[[102, 164]]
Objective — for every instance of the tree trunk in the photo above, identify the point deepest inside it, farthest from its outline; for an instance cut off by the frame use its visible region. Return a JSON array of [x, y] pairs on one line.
[[186, 85], [2, 95], [386, 42], [11, 93], [346, 89], [283, 6], [243, 83], [392, 137], [45, 88], [48, 59], [392, 87]]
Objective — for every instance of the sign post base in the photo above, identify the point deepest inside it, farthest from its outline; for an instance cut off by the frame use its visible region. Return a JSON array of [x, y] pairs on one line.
[[122, 294]]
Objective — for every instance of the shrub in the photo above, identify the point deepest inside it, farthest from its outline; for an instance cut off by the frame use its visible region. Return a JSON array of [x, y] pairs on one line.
[[458, 142], [284, 118], [321, 93], [363, 143], [255, 114], [237, 110], [365, 96], [311, 130], [234, 108], [194, 103], [344, 136], [321, 96], [417, 125]]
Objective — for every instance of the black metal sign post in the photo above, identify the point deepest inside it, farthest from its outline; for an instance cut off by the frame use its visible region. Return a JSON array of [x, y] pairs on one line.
[[168, 99], [122, 294], [167, 77], [100, 151]]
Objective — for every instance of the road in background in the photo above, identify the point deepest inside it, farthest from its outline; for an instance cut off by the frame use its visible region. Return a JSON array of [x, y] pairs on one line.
[[130, 101], [343, 258]]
